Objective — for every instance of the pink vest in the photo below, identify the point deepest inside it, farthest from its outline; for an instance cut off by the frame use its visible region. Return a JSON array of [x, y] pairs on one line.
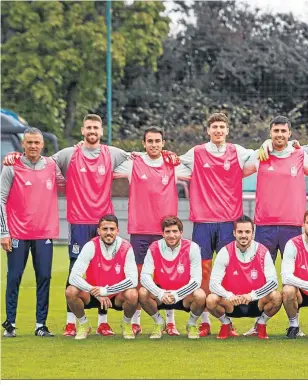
[[152, 196], [280, 195], [102, 272], [301, 260], [242, 278], [216, 186], [32, 205], [88, 188], [171, 275]]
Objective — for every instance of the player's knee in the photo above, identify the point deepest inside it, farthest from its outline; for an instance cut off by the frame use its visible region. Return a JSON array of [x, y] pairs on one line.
[[131, 296], [143, 294], [212, 301], [71, 292], [289, 293], [276, 298], [199, 296]]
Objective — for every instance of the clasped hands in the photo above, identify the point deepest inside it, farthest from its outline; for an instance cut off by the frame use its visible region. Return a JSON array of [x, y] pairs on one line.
[[242, 299], [105, 301], [168, 298]]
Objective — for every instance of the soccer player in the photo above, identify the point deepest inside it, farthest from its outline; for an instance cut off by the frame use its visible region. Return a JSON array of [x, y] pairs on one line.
[[243, 282], [28, 222], [215, 195], [280, 191], [171, 278], [111, 277], [294, 273], [88, 170], [152, 196]]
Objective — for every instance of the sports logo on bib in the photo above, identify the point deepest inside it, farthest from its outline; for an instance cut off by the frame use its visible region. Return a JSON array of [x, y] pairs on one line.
[[165, 179], [293, 171], [227, 165], [101, 170], [180, 268], [49, 184], [75, 249], [117, 268], [15, 243], [254, 274]]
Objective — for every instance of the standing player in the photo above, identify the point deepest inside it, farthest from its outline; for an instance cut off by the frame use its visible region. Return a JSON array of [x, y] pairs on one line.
[[171, 278], [27, 223], [215, 195], [243, 282], [294, 273], [280, 191], [152, 196], [111, 276]]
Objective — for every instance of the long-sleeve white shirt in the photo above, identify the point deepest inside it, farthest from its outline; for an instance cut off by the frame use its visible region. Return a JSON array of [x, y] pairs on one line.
[[252, 165], [125, 169], [243, 154], [288, 265], [84, 259], [222, 261], [170, 255]]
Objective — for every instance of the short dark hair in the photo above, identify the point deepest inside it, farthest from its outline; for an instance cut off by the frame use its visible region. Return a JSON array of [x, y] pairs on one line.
[[109, 218], [155, 130], [243, 219], [171, 220], [305, 216], [280, 120], [217, 117], [95, 117]]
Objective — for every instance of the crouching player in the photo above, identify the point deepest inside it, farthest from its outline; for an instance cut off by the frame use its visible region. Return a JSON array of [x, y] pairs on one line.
[[243, 282], [111, 277], [171, 278]]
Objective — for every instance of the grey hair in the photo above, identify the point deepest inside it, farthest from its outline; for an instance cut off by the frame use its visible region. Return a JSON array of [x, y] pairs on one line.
[[33, 130]]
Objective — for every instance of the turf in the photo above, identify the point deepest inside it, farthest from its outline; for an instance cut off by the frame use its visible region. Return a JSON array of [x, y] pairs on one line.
[[30, 357]]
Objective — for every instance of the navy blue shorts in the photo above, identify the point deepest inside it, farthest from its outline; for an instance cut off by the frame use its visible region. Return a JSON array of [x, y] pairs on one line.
[[251, 310], [141, 243], [274, 238], [177, 306], [305, 300], [94, 303], [78, 236], [212, 237]]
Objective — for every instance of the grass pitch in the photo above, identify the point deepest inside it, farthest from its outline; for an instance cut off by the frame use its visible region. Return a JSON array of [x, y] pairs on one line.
[[30, 357]]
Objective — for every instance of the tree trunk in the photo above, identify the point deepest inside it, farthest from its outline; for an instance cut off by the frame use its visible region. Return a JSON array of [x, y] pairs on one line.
[[70, 115]]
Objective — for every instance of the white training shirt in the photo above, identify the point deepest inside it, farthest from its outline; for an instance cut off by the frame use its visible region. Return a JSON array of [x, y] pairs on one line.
[[87, 253], [243, 154], [288, 265], [125, 169], [170, 255], [222, 261]]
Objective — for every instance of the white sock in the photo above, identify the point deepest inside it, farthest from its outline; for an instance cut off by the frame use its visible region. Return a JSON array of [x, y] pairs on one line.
[[263, 319], [71, 318], [170, 316], [126, 319], [293, 321], [158, 319], [225, 320], [38, 326], [83, 320], [192, 320], [14, 325], [205, 317], [102, 319], [136, 317]]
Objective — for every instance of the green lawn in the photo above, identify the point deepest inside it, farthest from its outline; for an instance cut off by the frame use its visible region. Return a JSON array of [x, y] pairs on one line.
[[30, 357]]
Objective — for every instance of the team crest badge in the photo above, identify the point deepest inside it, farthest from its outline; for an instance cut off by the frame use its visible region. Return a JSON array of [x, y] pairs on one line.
[[75, 249], [180, 268], [165, 179], [15, 243], [49, 184], [254, 274], [101, 170], [227, 165], [117, 268], [293, 171]]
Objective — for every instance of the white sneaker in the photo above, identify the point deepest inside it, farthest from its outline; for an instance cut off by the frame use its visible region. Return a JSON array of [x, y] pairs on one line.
[[251, 332], [300, 333]]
